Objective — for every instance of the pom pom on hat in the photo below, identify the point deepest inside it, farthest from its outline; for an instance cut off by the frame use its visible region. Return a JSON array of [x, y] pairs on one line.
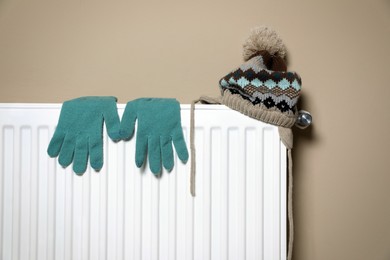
[[264, 39]]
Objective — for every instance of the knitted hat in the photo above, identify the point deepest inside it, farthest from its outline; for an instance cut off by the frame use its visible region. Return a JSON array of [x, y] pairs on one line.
[[262, 88]]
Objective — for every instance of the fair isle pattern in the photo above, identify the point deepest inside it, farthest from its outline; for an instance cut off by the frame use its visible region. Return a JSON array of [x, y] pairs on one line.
[[273, 89]]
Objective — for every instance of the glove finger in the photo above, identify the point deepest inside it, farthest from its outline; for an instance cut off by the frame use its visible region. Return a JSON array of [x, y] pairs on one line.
[[67, 150], [140, 150], [80, 156], [167, 152], [111, 117], [96, 152], [180, 147], [55, 144], [154, 153], [128, 120]]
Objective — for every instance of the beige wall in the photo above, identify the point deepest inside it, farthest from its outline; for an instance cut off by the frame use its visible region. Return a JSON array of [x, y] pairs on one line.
[[51, 51]]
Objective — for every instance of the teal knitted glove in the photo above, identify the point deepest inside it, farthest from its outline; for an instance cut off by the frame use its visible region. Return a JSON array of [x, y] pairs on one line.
[[79, 132], [159, 125]]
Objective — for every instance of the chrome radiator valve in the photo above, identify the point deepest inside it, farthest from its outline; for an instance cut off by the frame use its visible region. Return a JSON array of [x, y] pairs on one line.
[[304, 119]]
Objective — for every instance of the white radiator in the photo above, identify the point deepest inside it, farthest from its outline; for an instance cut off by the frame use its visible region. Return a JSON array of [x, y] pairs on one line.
[[122, 212]]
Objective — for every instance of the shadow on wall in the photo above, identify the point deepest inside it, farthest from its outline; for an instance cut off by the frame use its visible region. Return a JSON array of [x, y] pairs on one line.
[[303, 138]]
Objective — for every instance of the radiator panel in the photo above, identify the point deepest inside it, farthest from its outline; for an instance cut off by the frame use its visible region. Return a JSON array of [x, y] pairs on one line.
[[122, 212]]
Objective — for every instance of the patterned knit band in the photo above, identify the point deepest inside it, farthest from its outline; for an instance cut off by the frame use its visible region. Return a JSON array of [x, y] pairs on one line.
[[263, 94]]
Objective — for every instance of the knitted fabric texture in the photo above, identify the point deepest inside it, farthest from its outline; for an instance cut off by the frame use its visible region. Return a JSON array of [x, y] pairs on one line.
[[79, 133], [159, 126], [266, 95]]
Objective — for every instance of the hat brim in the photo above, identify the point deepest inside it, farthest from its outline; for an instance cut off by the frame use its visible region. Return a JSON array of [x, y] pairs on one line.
[[259, 112]]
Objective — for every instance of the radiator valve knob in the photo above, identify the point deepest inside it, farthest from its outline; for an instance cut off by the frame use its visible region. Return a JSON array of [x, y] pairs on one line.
[[304, 119]]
